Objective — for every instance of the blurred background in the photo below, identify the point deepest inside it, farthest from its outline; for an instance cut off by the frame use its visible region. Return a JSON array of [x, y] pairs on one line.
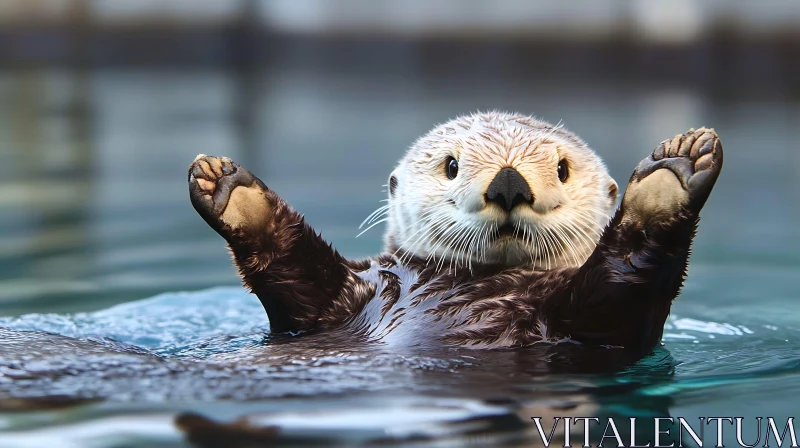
[[104, 103]]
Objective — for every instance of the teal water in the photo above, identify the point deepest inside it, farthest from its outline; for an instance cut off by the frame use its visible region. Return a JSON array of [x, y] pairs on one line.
[[100, 247]]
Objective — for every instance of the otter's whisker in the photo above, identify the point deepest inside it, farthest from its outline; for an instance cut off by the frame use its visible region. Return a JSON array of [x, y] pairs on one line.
[[591, 216], [569, 229], [529, 234], [480, 249], [547, 244], [566, 241], [534, 243], [426, 230], [487, 235], [575, 247], [588, 217], [524, 238], [480, 245], [536, 256], [440, 229], [402, 244], [380, 210], [580, 217], [551, 247], [455, 248], [560, 241], [454, 242], [591, 240], [440, 237], [443, 226], [516, 230], [449, 240], [590, 243], [541, 249], [469, 246], [561, 245], [432, 229], [372, 225]]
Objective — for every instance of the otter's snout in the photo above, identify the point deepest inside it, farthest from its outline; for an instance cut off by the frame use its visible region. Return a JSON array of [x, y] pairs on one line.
[[508, 189]]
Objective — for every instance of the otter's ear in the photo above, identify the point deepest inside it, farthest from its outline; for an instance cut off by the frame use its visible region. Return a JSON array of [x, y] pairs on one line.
[[613, 190], [392, 185]]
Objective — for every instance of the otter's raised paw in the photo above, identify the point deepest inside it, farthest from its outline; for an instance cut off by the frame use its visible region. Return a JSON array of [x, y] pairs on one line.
[[226, 195], [679, 174]]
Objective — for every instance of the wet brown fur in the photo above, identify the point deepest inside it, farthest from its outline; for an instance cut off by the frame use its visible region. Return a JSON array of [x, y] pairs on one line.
[[620, 296]]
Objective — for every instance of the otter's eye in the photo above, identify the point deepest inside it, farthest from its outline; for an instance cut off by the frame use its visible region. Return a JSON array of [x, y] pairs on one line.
[[452, 168], [563, 170]]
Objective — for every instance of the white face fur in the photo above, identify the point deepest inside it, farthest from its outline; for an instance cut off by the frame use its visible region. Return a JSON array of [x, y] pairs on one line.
[[450, 219]]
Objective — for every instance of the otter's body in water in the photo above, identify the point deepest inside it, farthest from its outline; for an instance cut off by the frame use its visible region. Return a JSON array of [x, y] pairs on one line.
[[500, 234]]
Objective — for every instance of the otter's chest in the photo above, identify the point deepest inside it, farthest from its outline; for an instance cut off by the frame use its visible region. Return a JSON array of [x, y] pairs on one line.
[[419, 307]]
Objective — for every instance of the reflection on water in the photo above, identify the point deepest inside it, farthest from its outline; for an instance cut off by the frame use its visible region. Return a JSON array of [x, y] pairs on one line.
[[157, 358], [94, 212]]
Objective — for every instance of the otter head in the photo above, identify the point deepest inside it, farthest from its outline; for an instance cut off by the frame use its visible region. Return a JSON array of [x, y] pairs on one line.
[[497, 188]]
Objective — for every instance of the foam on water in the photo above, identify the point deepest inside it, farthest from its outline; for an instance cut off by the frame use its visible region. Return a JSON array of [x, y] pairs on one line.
[[168, 324]]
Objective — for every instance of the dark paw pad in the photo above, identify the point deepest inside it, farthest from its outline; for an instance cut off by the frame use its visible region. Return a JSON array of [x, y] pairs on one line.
[[224, 193], [695, 158], [207, 171]]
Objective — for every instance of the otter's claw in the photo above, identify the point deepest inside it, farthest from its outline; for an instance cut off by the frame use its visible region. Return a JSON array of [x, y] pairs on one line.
[[226, 195], [680, 173]]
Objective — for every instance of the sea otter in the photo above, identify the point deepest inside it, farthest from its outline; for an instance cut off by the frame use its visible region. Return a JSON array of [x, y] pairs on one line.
[[499, 234]]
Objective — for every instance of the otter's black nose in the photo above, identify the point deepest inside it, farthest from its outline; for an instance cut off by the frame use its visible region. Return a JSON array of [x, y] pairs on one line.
[[508, 189]]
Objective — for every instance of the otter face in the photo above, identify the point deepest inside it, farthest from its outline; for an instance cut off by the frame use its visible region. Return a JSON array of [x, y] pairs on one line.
[[496, 188]]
